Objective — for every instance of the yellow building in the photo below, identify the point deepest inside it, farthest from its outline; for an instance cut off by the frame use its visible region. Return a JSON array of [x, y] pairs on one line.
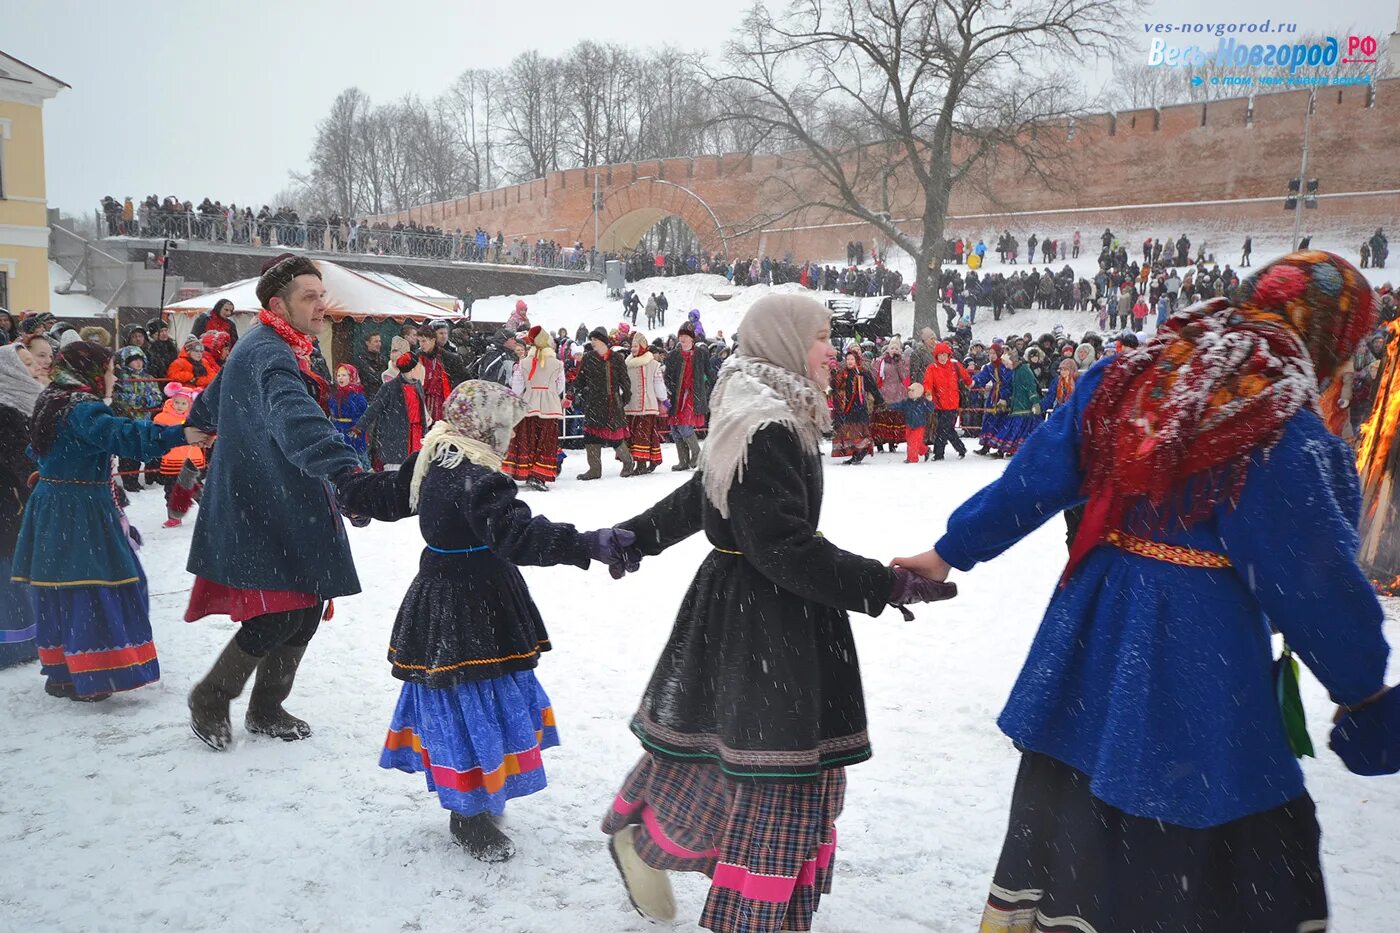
[[24, 223]]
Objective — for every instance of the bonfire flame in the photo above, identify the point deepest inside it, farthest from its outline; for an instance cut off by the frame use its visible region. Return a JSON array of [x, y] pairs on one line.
[[1376, 455]]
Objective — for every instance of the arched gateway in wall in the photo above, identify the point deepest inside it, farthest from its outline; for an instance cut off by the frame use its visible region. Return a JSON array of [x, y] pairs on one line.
[[630, 211]]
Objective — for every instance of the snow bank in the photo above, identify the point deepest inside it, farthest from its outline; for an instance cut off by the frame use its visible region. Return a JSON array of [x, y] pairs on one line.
[[722, 306]]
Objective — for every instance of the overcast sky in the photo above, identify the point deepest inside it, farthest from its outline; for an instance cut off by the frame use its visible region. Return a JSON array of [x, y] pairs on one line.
[[197, 99]]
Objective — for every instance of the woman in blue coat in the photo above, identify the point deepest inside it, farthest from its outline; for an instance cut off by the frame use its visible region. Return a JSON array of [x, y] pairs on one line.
[[1158, 786], [88, 588]]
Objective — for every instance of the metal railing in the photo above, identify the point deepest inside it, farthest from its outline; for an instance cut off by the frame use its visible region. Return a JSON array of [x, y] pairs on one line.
[[346, 238]]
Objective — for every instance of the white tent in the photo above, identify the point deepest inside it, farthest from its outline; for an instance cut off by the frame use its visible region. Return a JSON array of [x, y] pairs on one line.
[[354, 295]]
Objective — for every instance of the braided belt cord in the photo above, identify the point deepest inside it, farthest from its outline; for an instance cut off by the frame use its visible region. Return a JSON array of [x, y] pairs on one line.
[[1169, 553]]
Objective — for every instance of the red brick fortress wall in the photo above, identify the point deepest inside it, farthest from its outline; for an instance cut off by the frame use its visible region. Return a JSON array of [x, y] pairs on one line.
[[1146, 172]]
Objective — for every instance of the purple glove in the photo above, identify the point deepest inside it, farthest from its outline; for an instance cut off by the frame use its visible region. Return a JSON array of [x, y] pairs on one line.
[[909, 587], [615, 547]]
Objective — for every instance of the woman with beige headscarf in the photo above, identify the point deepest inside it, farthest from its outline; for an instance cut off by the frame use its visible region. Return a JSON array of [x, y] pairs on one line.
[[755, 707]]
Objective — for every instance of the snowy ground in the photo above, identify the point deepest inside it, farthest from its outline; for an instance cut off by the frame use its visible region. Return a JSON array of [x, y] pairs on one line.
[[117, 819]]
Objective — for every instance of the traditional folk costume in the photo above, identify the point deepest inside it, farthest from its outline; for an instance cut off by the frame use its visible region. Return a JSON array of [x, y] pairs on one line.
[[644, 407], [1158, 786], [755, 708], [347, 405], [995, 380], [471, 716], [88, 589], [892, 378], [687, 377], [18, 393], [602, 380], [1019, 416], [276, 567], [853, 394], [538, 380]]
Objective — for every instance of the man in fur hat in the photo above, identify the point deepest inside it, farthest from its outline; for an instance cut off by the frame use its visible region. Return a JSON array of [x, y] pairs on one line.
[[269, 549]]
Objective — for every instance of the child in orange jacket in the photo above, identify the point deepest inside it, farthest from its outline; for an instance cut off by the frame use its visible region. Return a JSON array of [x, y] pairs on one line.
[[182, 469]]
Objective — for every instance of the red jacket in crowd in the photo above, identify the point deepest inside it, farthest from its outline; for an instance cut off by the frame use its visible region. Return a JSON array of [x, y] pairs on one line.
[[941, 382]]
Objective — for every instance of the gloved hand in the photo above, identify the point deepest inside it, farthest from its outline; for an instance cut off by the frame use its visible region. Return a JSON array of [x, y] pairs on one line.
[[347, 485], [615, 547], [909, 587], [1368, 739]]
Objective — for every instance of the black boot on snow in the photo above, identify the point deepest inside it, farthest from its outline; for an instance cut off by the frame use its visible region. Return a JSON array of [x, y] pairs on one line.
[[276, 674], [210, 697], [538, 485], [482, 839]]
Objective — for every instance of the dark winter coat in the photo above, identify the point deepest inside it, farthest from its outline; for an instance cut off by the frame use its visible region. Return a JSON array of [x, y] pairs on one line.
[[673, 370], [468, 614], [267, 518], [606, 390], [385, 421], [159, 355], [371, 368], [760, 674], [15, 467]]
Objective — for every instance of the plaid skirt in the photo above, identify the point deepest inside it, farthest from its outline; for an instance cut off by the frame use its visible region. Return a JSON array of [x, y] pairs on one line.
[[851, 438], [645, 438], [887, 426], [768, 847], [534, 450], [1073, 864]]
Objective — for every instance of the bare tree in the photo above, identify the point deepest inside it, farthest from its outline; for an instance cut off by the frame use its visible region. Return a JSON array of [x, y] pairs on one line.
[[946, 86], [1137, 86], [471, 100], [531, 107], [334, 165]]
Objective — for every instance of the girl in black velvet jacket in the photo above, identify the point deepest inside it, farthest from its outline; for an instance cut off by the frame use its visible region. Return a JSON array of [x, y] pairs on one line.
[[471, 715]]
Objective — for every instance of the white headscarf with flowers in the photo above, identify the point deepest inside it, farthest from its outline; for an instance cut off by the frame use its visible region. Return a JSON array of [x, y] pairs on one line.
[[477, 421]]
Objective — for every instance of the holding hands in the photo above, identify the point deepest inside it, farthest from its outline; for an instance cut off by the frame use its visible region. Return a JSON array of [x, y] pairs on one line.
[[197, 438], [920, 579], [615, 547]]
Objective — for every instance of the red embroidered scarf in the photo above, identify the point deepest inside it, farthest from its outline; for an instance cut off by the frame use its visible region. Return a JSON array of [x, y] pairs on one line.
[[301, 348]]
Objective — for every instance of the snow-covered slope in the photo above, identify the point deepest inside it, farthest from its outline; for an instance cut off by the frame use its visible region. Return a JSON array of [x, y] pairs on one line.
[[722, 306]]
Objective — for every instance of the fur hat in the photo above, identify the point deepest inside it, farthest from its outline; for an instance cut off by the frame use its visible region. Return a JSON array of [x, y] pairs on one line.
[[97, 335], [278, 273], [688, 329], [599, 333]]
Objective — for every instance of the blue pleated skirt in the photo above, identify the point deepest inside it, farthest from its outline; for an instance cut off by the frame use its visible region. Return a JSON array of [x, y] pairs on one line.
[[477, 743], [96, 638], [17, 627]]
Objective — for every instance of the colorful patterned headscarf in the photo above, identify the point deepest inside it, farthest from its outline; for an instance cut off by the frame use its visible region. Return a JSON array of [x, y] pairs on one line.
[[477, 421], [78, 373], [1186, 412]]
